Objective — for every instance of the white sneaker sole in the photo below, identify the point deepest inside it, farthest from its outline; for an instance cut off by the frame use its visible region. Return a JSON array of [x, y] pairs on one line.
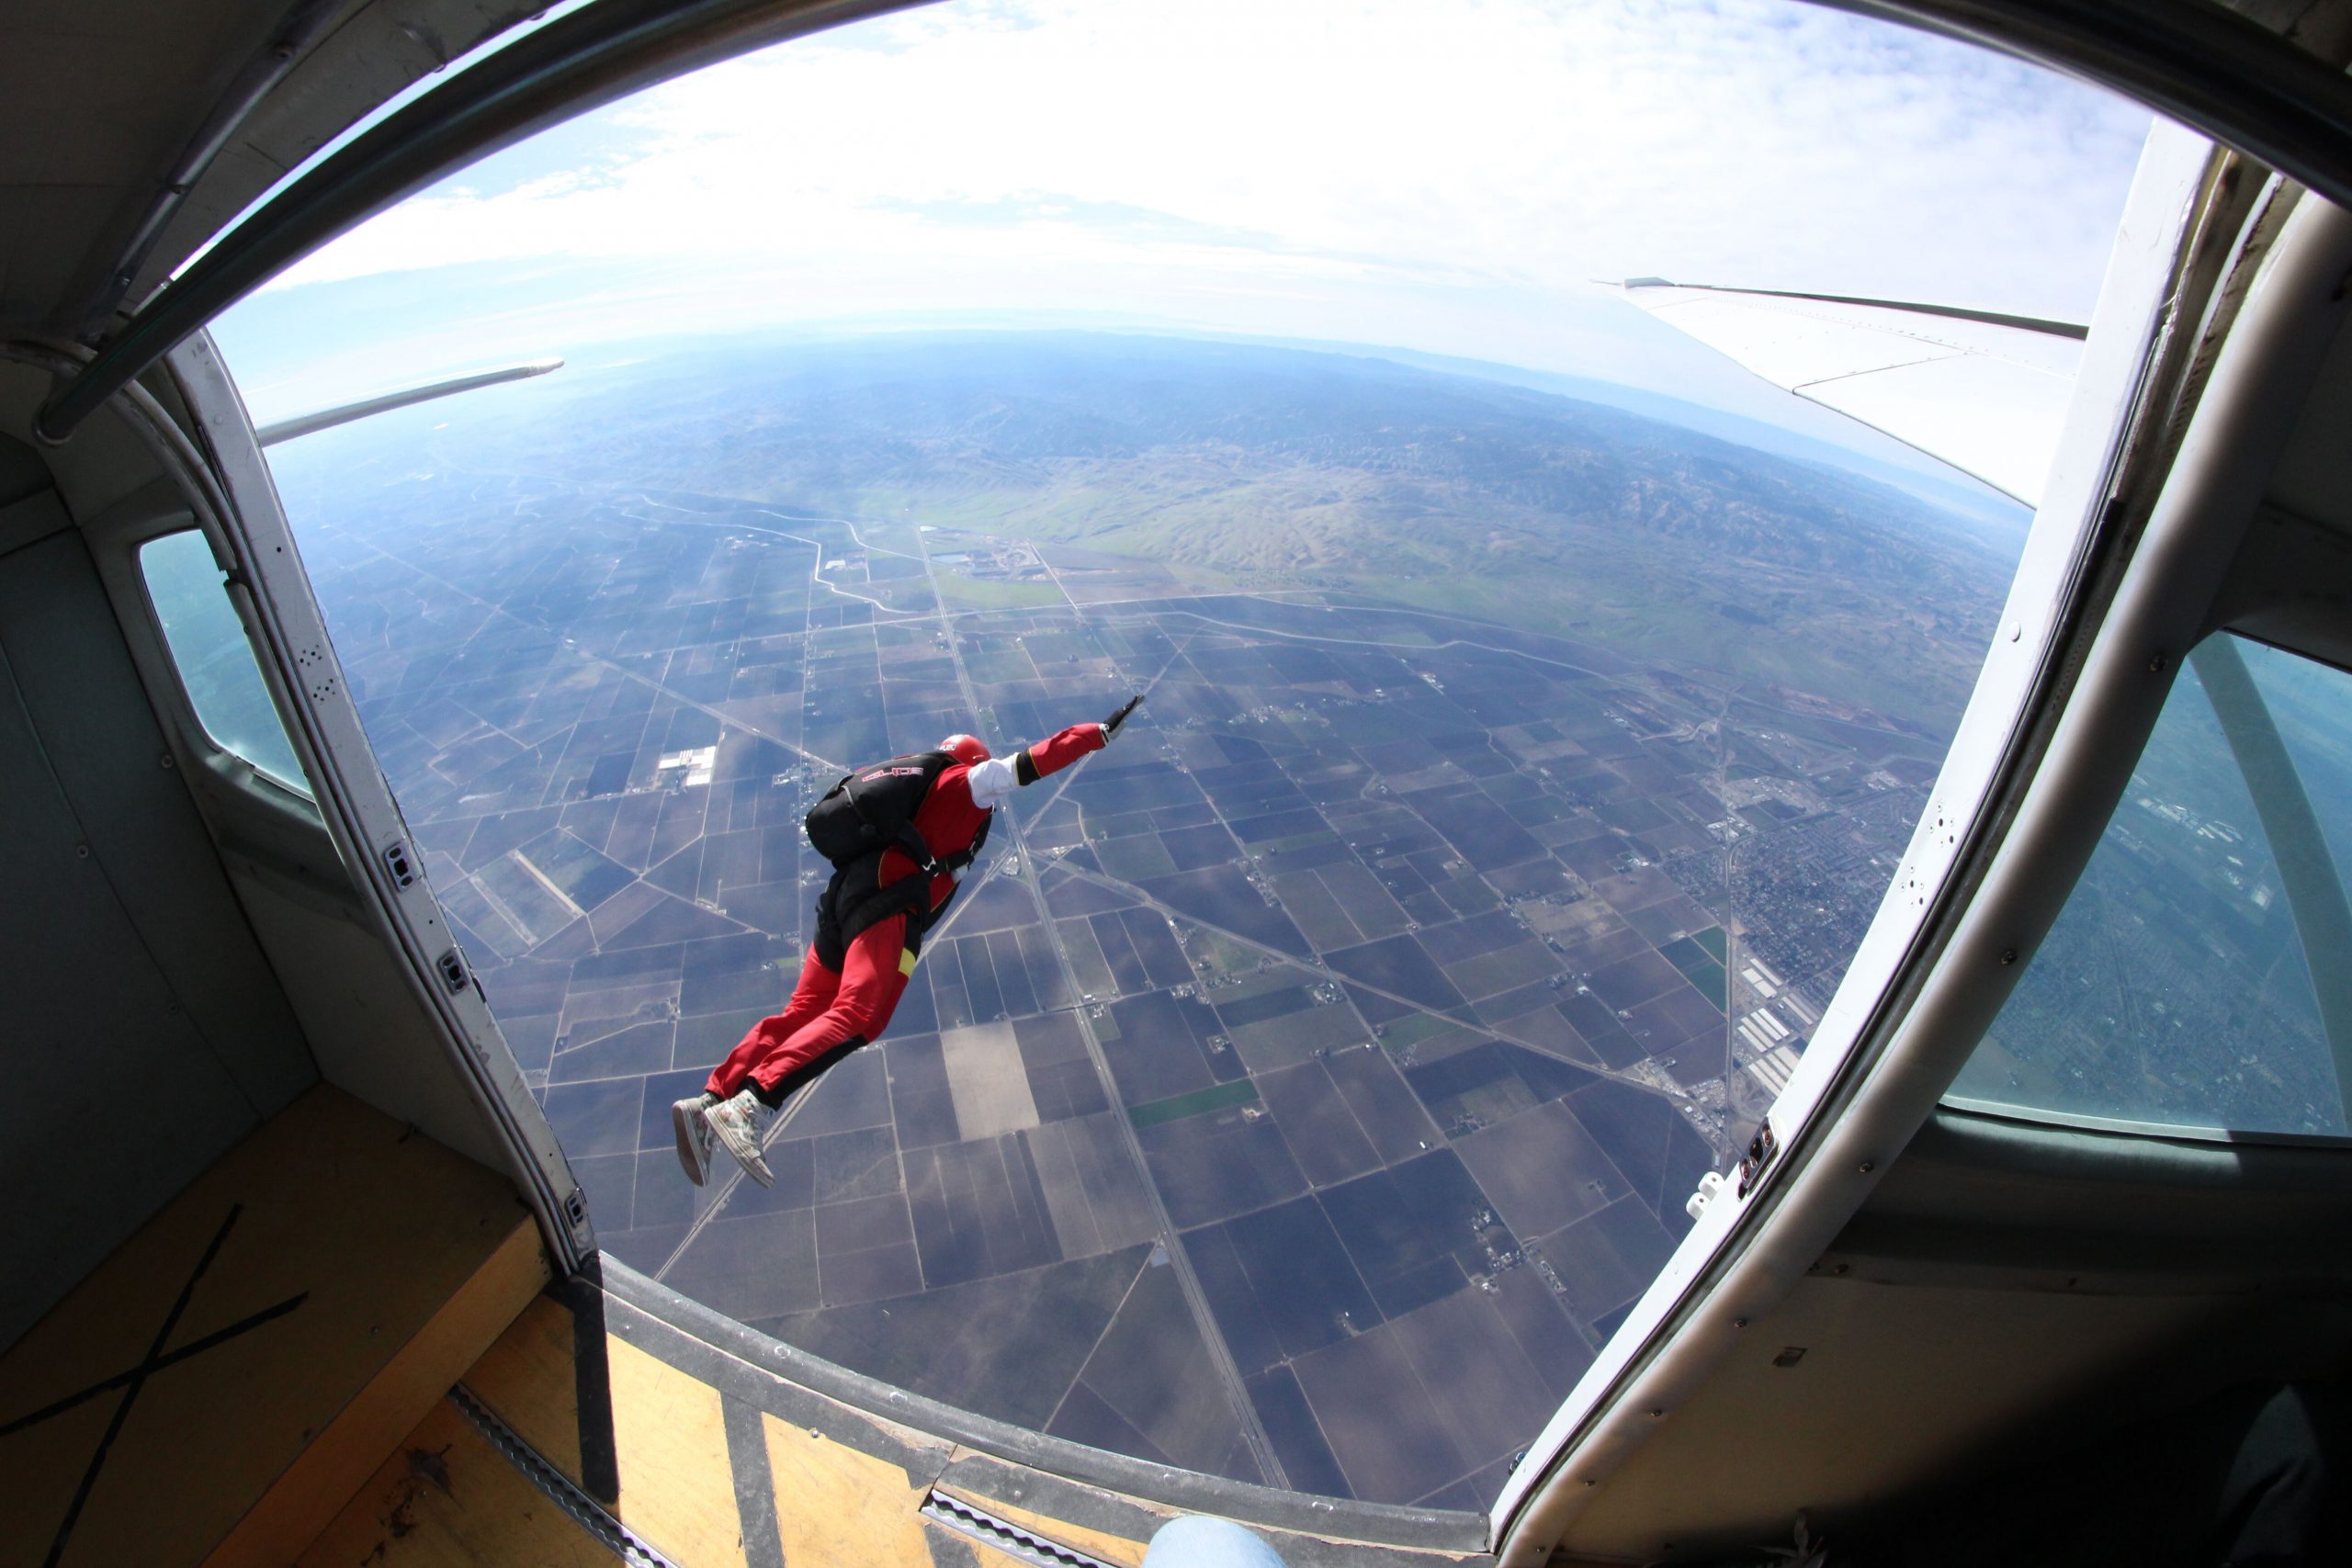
[[682, 1121], [747, 1155]]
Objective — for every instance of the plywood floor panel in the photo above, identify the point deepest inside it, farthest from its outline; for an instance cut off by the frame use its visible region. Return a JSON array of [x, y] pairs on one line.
[[447, 1498], [839, 1509], [292, 1306]]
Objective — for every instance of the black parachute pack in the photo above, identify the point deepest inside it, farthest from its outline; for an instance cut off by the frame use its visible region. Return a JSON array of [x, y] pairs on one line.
[[874, 809]]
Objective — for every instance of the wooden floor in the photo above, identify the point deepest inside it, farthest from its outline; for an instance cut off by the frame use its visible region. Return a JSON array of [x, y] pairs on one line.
[[217, 1388], [714, 1463], [340, 1348]]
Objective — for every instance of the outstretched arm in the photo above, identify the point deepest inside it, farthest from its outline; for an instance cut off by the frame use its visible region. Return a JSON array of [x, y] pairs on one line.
[[994, 780]]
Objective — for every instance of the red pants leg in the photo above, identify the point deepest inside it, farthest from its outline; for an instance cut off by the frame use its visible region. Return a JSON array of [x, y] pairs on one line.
[[812, 995], [856, 1004]]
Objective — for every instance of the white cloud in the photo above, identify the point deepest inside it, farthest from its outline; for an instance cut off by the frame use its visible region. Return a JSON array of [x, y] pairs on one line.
[[1388, 171]]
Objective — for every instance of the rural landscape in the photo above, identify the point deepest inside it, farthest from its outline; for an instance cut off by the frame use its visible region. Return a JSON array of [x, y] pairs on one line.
[[1303, 1090]]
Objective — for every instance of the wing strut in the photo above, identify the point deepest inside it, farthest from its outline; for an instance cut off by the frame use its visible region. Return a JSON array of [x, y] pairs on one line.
[[343, 413]]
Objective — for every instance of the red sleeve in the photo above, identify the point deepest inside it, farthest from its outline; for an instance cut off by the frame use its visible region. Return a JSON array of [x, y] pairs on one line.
[[1057, 752]]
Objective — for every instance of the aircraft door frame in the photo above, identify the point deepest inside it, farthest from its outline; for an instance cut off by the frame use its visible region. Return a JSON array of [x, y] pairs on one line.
[[272, 592], [1853, 1105]]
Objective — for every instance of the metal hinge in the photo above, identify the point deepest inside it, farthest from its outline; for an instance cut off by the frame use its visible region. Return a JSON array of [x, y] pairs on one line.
[[1709, 1185], [396, 860], [452, 966]]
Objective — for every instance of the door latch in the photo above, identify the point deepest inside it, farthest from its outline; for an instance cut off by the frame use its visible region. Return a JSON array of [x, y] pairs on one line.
[[1761, 1149]]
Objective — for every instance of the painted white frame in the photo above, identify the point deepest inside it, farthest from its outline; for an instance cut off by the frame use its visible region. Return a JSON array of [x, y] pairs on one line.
[[236, 502], [1598, 1424]]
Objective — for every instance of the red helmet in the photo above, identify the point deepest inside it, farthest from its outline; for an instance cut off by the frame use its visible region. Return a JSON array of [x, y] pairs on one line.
[[968, 750]]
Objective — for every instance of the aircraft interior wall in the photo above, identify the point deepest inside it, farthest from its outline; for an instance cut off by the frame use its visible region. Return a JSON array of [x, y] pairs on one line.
[[351, 995], [365, 1031], [146, 1031], [2011, 1294]]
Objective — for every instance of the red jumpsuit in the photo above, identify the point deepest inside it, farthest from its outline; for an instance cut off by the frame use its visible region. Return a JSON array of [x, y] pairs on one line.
[[847, 992]]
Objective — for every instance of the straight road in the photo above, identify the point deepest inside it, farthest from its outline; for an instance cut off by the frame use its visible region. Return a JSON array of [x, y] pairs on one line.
[[1261, 1448]]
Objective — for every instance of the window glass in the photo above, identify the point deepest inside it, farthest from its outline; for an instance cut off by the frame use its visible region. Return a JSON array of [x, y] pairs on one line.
[[216, 663], [2178, 984], [1304, 1089]]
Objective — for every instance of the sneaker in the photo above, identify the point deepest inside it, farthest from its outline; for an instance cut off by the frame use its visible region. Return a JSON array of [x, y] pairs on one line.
[[694, 1135], [739, 1125]]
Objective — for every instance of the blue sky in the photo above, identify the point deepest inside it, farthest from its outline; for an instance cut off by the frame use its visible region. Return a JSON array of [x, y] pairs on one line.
[[1448, 178]]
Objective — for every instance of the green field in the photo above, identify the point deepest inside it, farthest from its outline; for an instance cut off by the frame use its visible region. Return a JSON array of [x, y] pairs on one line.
[[1412, 1030], [1214, 955], [1131, 859], [994, 593], [1295, 842], [1700, 963], [1199, 1102]]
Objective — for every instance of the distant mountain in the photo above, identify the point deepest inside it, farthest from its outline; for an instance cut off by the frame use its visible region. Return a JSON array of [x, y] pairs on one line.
[[1253, 466]]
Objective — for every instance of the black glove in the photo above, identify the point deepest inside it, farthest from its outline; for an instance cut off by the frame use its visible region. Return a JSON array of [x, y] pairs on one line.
[[1111, 725]]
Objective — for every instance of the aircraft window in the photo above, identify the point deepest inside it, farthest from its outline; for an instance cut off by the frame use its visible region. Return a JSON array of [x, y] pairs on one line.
[[216, 663], [1306, 1089], [2178, 985]]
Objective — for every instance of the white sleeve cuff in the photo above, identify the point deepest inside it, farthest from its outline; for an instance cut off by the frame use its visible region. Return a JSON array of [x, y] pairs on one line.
[[993, 783]]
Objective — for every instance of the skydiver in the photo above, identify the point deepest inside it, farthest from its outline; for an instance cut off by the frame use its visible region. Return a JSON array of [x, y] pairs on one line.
[[881, 827]]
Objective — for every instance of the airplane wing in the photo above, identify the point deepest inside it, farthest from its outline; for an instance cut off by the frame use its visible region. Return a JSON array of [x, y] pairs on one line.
[[1987, 393]]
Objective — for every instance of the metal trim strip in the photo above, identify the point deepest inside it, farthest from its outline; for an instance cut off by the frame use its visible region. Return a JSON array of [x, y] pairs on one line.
[[578, 1507], [1025, 1546]]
